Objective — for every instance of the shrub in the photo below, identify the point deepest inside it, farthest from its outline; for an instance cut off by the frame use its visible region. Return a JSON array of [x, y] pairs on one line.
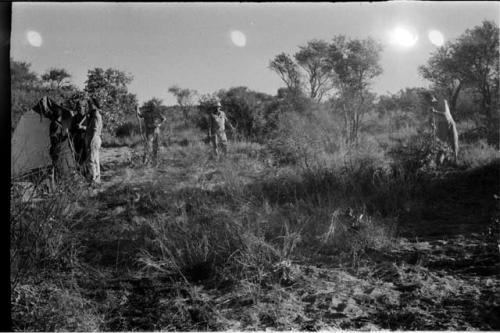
[[477, 154], [42, 229], [48, 307], [127, 129], [305, 140]]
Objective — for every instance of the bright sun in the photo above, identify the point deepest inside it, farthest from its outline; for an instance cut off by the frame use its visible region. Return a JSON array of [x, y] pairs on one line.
[[34, 38], [238, 38], [403, 37]]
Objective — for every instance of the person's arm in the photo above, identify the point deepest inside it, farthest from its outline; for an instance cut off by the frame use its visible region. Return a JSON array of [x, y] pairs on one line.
[[229, 123], [138, 112], [210, 125], [81, 123], [433, 110]]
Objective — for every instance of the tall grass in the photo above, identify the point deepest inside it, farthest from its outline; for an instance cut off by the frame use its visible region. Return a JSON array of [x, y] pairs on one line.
[[45, 253]]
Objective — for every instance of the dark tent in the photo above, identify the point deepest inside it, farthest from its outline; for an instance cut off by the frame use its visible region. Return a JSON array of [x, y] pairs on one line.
[[31, 140]]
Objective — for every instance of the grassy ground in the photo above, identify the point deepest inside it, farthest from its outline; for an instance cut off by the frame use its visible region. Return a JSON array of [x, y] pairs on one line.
[[247, 244]]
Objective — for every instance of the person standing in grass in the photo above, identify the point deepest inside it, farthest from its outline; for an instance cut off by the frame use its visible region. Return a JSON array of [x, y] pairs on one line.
[[153, 119], [60, 150], [446, 129], [93, 140], [217, 129], [78, 129]]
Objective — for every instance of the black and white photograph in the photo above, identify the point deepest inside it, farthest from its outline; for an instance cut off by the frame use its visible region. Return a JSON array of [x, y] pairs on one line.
[[254, 166]]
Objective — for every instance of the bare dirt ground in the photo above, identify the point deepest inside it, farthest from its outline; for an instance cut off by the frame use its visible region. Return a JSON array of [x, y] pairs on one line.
[[442, 273]]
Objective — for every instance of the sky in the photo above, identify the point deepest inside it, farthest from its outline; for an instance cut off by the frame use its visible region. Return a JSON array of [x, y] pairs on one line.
[[212, 46]]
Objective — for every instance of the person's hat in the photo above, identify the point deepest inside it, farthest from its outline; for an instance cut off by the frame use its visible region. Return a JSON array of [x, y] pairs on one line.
[[218, 104]]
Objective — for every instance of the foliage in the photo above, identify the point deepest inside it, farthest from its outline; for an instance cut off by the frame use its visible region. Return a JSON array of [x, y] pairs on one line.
[[313, 59], [345, 66], [185, 99], [110, 88], [355, 63], [246, 109], [471, 60], [288, 71], [57, 77], [27, 90], [21, 75], [206, 103]]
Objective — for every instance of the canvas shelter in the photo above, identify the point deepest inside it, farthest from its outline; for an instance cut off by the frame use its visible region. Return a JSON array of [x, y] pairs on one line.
[[30, 142]]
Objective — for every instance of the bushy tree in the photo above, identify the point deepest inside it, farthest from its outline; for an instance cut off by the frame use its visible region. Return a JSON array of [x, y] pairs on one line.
[[110, 87], [312, 58], [56, 77], [27, 89], [355, 63], [186, 99], [22, 76], [154, 105], [470, 61], [246, 110], [288, 71], [344, 67]]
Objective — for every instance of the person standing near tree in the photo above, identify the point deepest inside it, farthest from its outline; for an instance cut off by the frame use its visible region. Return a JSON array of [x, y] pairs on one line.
[[60, 150], [93, 140], [78, 130], [153, 119], [217, 129]]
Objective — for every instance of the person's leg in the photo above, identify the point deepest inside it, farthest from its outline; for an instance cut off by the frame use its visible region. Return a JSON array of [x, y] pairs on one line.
[[94, 160], [215, 144], [97, 158], [156, 144], [223, 142], [147, 149]]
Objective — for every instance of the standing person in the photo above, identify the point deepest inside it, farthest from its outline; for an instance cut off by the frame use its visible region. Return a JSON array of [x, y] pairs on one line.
[[446, 129], [93, 140], [217, 129], [153, 119], [60, 150], [78, 129]]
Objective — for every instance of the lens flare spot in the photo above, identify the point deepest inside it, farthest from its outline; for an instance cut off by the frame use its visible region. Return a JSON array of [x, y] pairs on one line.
[[436, 37], [238, 38], [34, 38], [403, 37]]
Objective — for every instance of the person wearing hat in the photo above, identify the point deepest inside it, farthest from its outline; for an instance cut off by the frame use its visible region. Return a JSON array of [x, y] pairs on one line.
[[153, 119], [93, 140], [217, 128], [78, 129]]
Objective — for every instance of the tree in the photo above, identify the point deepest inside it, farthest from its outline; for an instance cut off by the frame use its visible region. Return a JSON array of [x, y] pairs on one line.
[[355, 63], [110, 87], [246, 110], [478, 50], [21, 76], [312, 59], [57, 77], [444, 71], [153, 105], [27, 89], [470, 61], [288, 71], [185, 99]]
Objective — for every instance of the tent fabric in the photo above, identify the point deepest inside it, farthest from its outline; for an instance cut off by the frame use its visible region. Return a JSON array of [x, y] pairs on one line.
[[30, 143]]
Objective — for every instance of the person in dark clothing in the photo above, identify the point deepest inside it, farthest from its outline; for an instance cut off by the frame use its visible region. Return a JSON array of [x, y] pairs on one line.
[[61, 153], [78, 129]]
